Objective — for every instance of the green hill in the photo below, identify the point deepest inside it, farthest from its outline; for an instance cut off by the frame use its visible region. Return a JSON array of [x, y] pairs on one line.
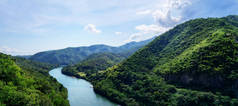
[[74, 55], [93, 64], [195, 63], [27, 83]]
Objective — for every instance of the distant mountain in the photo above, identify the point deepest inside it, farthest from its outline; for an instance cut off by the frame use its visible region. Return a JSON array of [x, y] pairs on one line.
[[101, 61], [193, 64], [92, 64], [74, 55], [28, 83], [24, 56]]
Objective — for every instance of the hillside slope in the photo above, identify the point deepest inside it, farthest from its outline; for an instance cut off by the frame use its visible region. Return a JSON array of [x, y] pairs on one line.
[[74, 55], [93, 64], [27, 83], [194, 63]]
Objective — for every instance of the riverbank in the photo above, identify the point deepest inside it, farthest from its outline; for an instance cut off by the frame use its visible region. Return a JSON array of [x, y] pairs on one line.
[[80, 91], [98, 91]]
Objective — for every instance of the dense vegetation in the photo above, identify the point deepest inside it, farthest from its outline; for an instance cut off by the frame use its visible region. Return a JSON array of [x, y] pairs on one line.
[[93, 64], [74, 55], [194, 63], [27, 83]]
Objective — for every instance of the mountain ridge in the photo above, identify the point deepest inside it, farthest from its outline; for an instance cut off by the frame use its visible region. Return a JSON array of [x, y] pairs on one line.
[[141, 79], [72, 55]]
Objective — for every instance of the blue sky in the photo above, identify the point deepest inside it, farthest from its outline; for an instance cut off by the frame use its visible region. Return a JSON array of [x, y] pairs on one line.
[[30, 26]]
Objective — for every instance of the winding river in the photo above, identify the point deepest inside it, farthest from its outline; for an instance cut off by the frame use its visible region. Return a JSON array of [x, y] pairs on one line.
[[80, 91]]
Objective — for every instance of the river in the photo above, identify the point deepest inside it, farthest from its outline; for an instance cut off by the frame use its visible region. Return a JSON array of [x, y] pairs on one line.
[[80, 91]]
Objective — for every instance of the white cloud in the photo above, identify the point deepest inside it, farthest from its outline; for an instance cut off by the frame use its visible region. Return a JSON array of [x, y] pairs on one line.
[[169, 15], [166, 15], [145, 12], [179, 4], [165, 18], [118, 33], [50, 13], [12, 51], [146, 32], [92, 28], [150, 28], [48, 17]]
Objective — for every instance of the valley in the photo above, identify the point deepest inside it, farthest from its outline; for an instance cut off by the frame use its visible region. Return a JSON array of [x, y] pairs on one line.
[[190, 59], [193, 64]]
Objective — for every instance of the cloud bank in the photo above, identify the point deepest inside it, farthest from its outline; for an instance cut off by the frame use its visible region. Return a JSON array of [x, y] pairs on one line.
[[166, 15], [92, 28], [31, 22]]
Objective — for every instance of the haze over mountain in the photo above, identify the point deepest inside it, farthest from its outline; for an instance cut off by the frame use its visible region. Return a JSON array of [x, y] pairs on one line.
[[76, 54], [28, 27]]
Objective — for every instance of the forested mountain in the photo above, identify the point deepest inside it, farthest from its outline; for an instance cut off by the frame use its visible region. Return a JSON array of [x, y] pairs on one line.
[[93, 64], [195, 63], [27, 83], [101, 61], [24, 56], [74, 55]]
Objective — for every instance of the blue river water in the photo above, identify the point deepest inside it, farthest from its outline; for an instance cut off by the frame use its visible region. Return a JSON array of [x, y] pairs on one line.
[[80, 91]]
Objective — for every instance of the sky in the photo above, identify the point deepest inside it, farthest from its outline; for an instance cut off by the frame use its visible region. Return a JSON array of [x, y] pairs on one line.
[[31, 26]]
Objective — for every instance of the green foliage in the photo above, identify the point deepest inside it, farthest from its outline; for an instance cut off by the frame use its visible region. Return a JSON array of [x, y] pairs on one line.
[[195, 98], [26, 83], [210, 64], [194, 63], [93, 64]]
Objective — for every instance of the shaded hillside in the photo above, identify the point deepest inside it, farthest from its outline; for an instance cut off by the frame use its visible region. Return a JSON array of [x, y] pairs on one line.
[[25, 56], [77, 54], [27, 83], [93, 64], [194, 63]]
